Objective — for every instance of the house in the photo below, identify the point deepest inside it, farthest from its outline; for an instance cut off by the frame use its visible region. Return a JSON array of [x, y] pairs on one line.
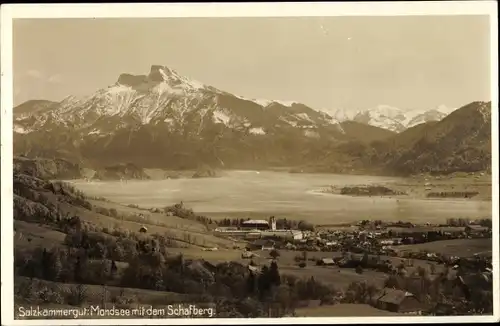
[[261, 244], [255, 224], [326, 262], [395, 300], [475, 229]]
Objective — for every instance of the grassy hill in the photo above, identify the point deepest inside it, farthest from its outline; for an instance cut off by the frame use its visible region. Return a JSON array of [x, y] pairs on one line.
[[459, 142], [71, 250]]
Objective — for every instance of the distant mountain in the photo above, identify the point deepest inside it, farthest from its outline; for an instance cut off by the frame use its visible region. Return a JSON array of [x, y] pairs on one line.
[[164, 119], [391, 118], [459, 142]]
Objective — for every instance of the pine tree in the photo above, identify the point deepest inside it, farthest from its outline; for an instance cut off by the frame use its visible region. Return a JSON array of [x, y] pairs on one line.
[[113, 268], [45, 264], [263, 282], [77, 271], [250, 284], [274, 274]]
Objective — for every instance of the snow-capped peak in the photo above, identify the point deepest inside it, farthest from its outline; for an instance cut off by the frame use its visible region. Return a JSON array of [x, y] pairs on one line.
[[444, 109], [390, 117], [174, 79]]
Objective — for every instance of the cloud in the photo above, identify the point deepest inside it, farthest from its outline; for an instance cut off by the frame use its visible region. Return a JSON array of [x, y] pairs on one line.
[[55, 79], [34, 74]]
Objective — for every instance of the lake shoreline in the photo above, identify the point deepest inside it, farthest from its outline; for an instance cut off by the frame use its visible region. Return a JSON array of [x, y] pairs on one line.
[[248, 194]]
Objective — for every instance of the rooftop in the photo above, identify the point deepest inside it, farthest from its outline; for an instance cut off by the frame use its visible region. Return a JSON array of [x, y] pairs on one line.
[[393, 295], [256, 222]]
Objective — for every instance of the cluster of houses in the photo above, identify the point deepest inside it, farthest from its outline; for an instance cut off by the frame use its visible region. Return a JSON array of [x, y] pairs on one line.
[[375, 240], [260, 229], [360, 238]]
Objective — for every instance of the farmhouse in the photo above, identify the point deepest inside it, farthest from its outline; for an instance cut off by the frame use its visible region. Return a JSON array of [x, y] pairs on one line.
[[283, 234], [398, 301], [475, 229], [261, 244], [326, 262]]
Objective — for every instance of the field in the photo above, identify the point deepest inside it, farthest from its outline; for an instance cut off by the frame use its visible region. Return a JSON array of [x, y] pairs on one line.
[[419, 186], [343, 310], [456, 247], [333, 275]]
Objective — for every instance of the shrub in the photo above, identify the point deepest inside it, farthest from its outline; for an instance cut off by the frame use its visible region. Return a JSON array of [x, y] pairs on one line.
[[113, 212], [77, 295], [274, 254], [359, 269]]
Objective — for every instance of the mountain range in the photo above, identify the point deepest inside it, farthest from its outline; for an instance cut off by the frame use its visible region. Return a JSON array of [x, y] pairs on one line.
[[391, 118], [165, 120]]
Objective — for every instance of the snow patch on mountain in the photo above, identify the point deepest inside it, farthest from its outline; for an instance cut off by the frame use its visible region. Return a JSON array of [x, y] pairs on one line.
[[311, 133], [20, 129], [257, 131], [285, 103], [304, 116], [389, 117], [262, 102], [162, 96], [175, 80], [221, 117]]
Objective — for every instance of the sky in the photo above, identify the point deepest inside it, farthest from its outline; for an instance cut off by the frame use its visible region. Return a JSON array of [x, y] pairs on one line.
[[327, 63]]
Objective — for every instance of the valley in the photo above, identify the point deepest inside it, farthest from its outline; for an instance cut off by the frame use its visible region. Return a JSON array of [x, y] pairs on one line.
[[142, 193], [58, 228]]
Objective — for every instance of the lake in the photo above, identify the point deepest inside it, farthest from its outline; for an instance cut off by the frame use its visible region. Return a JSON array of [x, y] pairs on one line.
[[261, 194]]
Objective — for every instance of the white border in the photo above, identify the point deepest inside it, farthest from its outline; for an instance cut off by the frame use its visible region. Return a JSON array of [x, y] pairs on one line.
[[9, 12]]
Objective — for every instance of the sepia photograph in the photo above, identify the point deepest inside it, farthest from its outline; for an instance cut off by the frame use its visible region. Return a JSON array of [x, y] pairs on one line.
[[238, 163]]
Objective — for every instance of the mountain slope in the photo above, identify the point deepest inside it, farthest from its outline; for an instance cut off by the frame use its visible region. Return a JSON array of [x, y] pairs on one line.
[[166, 120], [459, 142]]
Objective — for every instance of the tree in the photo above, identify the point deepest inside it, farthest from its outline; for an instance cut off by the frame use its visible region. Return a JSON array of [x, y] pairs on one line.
[[305, 226], [251, 284], [371, 292], [364, 260], [78, 295], [113, 212], [113, 268], [274, 274], [263, 281], [57, 266], [274, 253], [46, 264], [433, 269]]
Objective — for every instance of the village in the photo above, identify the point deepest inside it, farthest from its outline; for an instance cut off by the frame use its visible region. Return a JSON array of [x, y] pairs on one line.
[[392, 248], [372, 237]]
